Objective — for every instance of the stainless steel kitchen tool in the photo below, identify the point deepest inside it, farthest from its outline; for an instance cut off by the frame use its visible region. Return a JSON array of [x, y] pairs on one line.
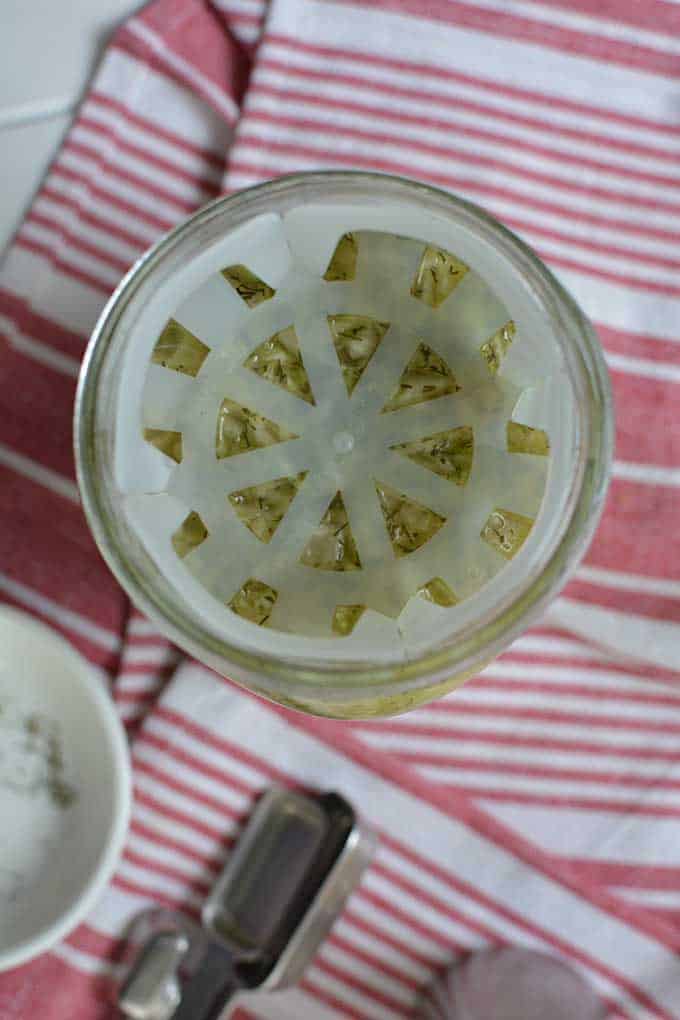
[[284, 884]]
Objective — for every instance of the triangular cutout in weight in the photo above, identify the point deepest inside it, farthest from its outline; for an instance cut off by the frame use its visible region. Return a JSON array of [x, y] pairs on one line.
[[279, 361], [356, 339], [426, 377], [263, 507], [409, 524], [332, 546], [448, 453], [239, 429]]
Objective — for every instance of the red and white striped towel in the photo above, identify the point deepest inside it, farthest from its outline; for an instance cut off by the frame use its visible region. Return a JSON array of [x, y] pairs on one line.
[[541, 804]]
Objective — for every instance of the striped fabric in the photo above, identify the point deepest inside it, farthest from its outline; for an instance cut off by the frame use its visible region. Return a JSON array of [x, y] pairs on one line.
[[539, 805]]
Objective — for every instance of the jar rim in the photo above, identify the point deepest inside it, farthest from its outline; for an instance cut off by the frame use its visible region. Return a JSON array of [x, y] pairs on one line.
[[291, 680]]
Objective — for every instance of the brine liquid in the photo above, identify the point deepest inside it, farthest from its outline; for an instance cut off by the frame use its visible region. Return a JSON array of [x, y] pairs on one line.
[[354, 445]]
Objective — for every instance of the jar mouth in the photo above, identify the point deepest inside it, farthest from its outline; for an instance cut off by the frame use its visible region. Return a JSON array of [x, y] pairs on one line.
[[276, 673]]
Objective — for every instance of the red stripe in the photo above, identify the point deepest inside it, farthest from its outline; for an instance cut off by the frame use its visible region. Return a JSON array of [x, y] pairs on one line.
[[98, 98], [634, 876], [621, 279], [230, 15], [647, 431], [452, 182], [357, 984], [610, 777], [141, 698], [459, 706], [563, 801], [89, 940], [221, 842], [138, 212], [206, 185], [583, 244], [451, 881], [224, 747], [607, 659], [33, 324], [110, 224], [459, 917], [462, 734], [639, 529], [417, 146], [517, 223], [154, 898], [146, 57], [194, 886], [655, 15], [632, 603], [152, 639], [78, 243], [211, 862], [133, 46], [152, 669], [446, 942], [36, 409], [137, 701], [622, 694], [639, 345], [436, 768], [52, 989], [147, 187], [171, 782], [308, 985], [491, 192], [512, 26], [46, 545], [146, 659], [668, 916], [329, 73], [351, 918], [448, 128], [646, 673], [607, 114], [194, 33], [170, 747], [64, 265], [173, 814]]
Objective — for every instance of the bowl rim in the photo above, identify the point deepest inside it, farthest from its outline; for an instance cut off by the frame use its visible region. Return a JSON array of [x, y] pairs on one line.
[[101, 705]]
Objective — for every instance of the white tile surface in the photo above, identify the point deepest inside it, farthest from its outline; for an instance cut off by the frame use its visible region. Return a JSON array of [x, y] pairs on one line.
[[28, 149], [48, 51]]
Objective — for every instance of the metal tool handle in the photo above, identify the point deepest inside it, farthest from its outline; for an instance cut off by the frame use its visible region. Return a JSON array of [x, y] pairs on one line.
[[209, 989], [152, 991], [178, 975], [283, 886]]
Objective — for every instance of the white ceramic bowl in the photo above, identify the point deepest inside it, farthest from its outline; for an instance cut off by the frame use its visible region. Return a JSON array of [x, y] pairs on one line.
[[64, 788]]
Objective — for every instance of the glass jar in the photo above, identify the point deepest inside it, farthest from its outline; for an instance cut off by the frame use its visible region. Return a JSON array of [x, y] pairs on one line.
[[369, 675]]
